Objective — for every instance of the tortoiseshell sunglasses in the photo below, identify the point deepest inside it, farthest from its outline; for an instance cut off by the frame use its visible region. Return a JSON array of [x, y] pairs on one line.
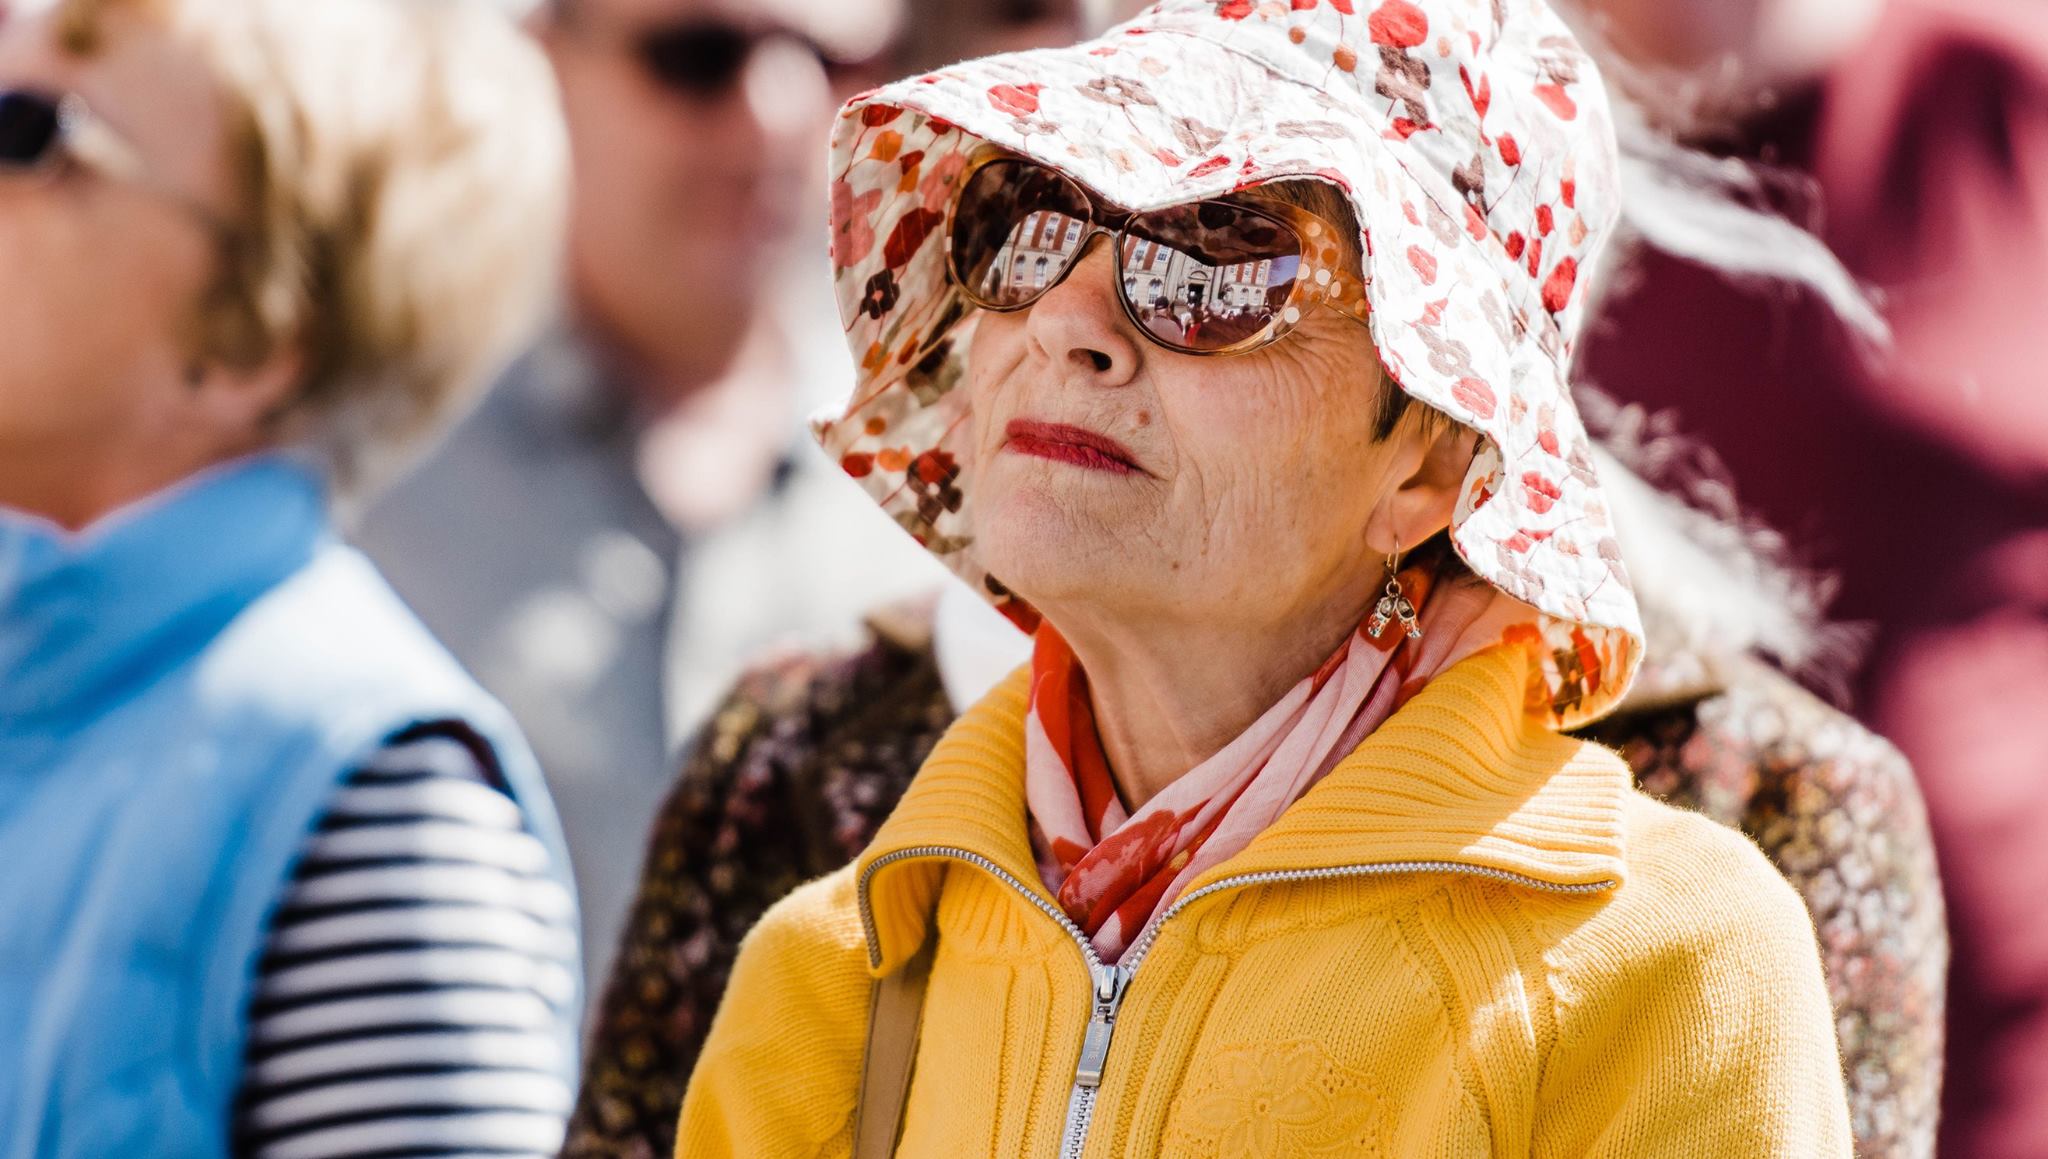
[[1219, 276]]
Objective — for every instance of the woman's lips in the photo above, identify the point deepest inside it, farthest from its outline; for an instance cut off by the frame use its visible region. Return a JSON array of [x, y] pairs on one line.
[[1065, 444]]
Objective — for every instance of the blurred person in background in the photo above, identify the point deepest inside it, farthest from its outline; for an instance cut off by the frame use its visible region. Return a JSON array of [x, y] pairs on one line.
[[632, 511], [630, 1115], [1919, 476], [938, 32], [282, 880]]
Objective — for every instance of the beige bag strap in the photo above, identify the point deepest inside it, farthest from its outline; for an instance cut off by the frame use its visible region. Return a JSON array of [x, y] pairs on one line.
[[895, 1016]]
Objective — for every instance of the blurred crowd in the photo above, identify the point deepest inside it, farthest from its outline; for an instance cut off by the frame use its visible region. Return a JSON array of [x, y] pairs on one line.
[[634, 510], [622, 512]]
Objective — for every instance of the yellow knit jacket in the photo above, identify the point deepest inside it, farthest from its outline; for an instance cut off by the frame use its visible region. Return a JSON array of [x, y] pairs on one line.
[[1474, 937]]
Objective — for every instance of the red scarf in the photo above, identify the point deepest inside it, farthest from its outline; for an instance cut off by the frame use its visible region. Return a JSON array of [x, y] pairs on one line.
[[1114, 872]]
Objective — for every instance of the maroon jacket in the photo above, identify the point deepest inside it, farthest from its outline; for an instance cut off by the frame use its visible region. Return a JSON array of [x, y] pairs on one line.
[[1924, 481]]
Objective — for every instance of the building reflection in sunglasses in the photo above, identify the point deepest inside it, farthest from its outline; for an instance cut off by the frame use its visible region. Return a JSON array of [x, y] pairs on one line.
[[1154, 275]]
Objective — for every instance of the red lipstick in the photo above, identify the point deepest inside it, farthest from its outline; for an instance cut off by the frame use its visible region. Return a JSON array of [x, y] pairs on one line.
[[1066, 444]]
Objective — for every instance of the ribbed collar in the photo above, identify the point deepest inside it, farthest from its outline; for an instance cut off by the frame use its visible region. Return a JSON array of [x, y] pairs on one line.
[[87, 617], [1460, 775]]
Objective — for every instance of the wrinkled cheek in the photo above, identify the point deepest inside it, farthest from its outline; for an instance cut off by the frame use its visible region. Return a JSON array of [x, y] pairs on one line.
[[1209, 511], [1244, 516], [994, 375], [1263, 526]]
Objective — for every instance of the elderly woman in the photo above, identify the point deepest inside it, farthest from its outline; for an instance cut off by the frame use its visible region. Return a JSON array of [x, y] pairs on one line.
[[281, 879], [1228, 353]]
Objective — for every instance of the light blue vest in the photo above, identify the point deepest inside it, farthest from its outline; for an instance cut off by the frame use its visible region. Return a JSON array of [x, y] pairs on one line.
[[182, 688]]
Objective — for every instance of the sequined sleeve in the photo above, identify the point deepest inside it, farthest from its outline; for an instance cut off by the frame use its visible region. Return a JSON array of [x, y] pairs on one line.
[[1836, 808], [787, 782]]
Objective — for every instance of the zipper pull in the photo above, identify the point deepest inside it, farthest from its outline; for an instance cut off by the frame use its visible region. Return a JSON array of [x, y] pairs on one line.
[[1110, 982]]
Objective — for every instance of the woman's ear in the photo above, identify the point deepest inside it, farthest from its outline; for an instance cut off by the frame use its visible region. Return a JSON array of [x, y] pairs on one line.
[[235, 406], [1434, 455]]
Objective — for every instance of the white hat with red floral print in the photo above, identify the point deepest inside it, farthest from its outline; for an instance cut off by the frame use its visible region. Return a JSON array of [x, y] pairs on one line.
[[1474, 140]]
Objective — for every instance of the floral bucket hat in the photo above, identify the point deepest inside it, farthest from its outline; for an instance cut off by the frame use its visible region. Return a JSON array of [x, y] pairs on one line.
[[1474, 141]]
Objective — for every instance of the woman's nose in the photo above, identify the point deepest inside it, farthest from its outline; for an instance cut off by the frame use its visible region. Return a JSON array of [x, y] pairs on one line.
[[1080, 326]]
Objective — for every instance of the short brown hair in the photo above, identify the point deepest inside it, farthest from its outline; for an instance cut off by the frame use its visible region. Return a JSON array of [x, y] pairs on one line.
[[401, 173]]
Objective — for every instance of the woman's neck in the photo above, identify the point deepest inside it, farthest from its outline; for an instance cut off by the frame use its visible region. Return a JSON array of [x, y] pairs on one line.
[[76, 486], [1169, 695]]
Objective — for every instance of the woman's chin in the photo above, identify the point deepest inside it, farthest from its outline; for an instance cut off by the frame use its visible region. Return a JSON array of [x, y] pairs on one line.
[[1049, 540]]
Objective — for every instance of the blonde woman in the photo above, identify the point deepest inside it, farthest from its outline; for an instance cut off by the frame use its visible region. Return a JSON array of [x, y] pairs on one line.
[[282, 880]]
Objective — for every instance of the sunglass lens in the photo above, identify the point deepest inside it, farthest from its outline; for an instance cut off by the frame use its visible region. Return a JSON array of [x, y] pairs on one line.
[[1016, 225], [29, 126], [697, 60], [1207, 276]]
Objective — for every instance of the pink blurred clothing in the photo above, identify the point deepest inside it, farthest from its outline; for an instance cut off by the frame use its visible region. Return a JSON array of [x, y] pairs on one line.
[[1923, 481]]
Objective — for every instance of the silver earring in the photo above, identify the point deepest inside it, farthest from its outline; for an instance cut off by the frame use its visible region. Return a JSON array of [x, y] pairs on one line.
[[1394, 605]]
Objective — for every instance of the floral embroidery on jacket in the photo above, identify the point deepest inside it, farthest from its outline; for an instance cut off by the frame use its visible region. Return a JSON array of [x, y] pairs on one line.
[[1288, 1099]]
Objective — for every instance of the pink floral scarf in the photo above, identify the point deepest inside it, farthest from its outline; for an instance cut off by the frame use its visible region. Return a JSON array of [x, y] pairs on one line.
[[1115, 872]]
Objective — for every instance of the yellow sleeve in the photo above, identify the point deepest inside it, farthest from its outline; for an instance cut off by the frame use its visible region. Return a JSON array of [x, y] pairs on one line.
[[1692, 1014], [780, 1072]]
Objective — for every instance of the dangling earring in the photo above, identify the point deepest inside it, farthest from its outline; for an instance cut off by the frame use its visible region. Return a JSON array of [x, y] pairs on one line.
[[1393, 605]]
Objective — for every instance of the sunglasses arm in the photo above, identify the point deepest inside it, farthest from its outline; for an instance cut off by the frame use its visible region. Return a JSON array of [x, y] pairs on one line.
[[91, 141], [96, 145], [1345, 295], [1324, 279]]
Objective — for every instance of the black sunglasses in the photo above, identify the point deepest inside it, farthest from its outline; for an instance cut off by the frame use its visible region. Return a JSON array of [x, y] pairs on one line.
[[703, 59], [38, 130], [706, 60]]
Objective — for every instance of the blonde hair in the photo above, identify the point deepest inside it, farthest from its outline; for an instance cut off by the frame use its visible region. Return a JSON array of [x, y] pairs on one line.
[[401, 173]]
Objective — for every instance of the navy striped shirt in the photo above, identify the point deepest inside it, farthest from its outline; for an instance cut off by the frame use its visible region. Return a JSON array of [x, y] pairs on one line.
[[417, 975]]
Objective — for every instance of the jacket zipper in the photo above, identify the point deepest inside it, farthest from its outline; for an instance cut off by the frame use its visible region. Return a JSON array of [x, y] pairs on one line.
[[1109, 984]]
